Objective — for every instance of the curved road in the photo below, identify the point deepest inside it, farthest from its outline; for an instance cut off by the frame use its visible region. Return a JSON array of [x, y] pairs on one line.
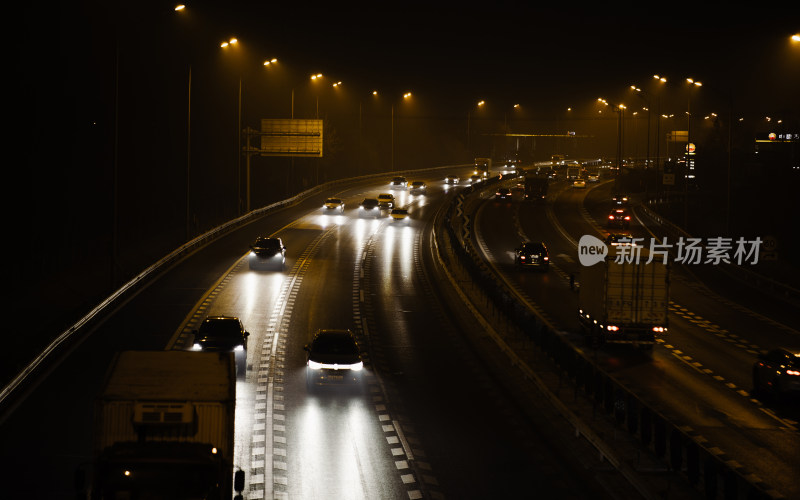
[[700, 373], [433, 422]]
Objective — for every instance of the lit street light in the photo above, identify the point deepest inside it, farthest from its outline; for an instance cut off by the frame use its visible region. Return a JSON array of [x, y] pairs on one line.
[[689, 163]]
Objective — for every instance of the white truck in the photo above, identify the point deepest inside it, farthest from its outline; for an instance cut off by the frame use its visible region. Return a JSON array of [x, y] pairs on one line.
[[164, 427], [624, 302]]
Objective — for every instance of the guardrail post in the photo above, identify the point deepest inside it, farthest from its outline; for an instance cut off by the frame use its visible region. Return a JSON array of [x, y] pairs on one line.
[[731, 485], [608, 395], [660, 435], [646, 434], [675, 450], [632, 414], [710, 477], [692, 463]]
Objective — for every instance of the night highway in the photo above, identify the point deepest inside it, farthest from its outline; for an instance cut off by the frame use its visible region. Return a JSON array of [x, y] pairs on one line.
[[444, 252], [427, 423]]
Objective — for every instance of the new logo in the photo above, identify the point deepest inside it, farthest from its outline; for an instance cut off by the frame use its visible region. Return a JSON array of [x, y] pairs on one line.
[[591, 250]]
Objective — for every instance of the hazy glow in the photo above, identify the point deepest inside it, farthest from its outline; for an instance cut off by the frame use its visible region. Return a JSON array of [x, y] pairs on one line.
[[796, 38], [254, 287], [179, 8], [325, 221], [333, 448]]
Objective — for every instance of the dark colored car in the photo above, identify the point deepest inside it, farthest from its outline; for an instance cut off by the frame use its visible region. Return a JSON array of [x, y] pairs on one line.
[[267, 252], [369, 208], [777, 373], [503, 194], [620, 199], [451, 179], [333, 358], [532, 254], [619, 239], [223, 334], [619, 217], [418, 187]]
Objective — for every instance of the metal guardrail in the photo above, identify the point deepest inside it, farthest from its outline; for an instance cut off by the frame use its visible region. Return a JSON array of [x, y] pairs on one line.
[[72, 336], [678, 447]]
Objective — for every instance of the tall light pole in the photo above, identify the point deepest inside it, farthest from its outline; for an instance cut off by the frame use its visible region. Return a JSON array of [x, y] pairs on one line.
[[641, 94], [659, 180], [226, 45], [406, 95], [479, 104], [689, 153]]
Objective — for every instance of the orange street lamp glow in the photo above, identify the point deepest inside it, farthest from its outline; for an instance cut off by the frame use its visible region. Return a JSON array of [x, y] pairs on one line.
[[796, 38], [270, 61], [374, 92], [318, 75], [481, 103], [179, 7], [406, 95]]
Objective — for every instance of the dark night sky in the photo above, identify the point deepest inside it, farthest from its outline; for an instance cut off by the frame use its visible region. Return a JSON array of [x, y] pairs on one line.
[[528, 53]]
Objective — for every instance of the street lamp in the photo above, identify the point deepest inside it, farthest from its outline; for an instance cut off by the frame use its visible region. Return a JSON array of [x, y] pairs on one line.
[[641, 94], [479, 104], [689, 152], [406, 95], [232, 42]]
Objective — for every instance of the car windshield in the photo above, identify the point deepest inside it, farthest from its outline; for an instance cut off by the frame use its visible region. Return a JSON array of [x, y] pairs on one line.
[[267, 243], [369, 202], [532, 247], [333, 200], [338, 343], [384, 197], [398, 179], [221, 329]]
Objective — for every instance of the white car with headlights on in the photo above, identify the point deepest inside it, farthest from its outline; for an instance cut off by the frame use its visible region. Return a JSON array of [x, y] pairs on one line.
[[333, 358]]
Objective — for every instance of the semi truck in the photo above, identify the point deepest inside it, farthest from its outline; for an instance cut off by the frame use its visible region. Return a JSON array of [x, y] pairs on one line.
[[624, 301], [164, 427], [536, 187], [574, 171]]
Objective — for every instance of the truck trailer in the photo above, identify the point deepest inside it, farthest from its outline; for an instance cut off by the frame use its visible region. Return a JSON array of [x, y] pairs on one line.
[[164, 427], [624, 302], [536, 187]]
